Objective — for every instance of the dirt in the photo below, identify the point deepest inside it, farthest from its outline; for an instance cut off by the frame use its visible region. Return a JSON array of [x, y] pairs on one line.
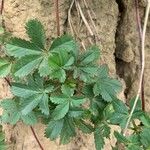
[[117, 36]]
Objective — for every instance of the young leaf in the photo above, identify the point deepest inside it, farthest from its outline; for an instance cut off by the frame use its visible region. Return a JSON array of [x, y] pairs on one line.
[[59, 62], [36, 33], [5, 67]]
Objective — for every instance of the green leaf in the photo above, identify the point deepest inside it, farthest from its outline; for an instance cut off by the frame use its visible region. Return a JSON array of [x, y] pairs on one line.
[[26, 65], [36, 33], [60, 111], [20, 47], [29, 119], [33, 94], [54, 129], [5, 67], [58, 63], [106, 86], [120, 114], [144, 135], [84, 127], [68, 131], [90, 55], [121, 138], [99, 140], [65, 43]]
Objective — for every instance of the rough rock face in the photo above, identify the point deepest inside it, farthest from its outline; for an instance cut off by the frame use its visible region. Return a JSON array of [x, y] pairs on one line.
[[128, 49], [116, 31]]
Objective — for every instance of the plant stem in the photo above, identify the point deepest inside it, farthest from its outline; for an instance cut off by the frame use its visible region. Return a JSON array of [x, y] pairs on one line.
[[143, 66], [57, 17], [36, 138], [140, 37]]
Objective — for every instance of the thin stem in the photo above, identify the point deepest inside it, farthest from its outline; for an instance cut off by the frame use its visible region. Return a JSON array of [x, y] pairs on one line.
[[138, 20], [143, 66], [36, 138], [57, 17]]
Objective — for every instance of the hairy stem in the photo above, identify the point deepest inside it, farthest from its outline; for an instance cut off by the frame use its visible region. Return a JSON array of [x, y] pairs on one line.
[[143, 66], [57, 17], [138, 20]]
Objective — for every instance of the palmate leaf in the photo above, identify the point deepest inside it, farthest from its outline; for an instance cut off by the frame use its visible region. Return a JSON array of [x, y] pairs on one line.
[[87, 68], [59, 62], [65, 43], [33, 95], [12, 113], [120, 114], [30, 54], [64, 101], [5, 67], [106, 86]]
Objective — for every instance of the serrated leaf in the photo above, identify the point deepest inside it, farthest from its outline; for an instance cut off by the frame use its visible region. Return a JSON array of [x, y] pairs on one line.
[[33, 94], [36, 33], [19, 47], [44, 107], [106, 87], [5, 67], [60, 111], [54, 129], [121, 138], [120, 114], [26, 65], [99, 140], [29, 119], [66, 90], [65, 43], [84, 127], [89, 56], [68, 131]]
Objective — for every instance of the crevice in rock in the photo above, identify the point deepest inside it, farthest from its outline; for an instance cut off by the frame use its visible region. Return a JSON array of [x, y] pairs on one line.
[[120, 64]]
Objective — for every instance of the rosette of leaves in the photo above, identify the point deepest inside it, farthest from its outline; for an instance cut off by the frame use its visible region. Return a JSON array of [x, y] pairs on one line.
[[58, 84]]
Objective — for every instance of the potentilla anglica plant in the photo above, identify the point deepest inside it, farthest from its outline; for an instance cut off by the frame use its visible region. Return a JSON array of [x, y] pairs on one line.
[[67, 90]]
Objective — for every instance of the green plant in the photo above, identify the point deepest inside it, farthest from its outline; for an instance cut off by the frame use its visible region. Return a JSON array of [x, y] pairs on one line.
[[66, 89]]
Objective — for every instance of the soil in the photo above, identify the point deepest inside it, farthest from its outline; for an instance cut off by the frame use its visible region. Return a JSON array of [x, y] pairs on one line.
[[115, 33]]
